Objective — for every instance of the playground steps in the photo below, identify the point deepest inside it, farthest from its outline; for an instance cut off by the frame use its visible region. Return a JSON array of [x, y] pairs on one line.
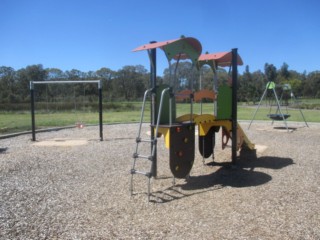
[[138, 155], [143, 156]]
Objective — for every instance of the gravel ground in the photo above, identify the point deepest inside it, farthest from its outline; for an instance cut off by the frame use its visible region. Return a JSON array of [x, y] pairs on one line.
[[81, 191]]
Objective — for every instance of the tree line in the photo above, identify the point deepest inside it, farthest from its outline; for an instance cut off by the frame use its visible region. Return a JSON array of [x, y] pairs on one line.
[[130, 82]]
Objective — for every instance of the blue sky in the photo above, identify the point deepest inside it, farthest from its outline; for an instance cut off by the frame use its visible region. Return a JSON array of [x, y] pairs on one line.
[[89, 35]]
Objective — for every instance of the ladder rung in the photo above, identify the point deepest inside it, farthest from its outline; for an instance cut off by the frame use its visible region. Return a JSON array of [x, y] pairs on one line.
[[136, 155], [138, 140], [133, 171]]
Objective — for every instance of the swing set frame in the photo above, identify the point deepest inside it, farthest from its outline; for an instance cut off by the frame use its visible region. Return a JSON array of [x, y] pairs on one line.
[[279, 115], [32, 101]]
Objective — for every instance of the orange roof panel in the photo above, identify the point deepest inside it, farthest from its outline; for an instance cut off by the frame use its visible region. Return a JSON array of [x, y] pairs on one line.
[[154, 45], [222, 59]]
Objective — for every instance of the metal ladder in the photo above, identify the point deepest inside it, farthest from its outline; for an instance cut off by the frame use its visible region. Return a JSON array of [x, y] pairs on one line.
[[153, 141]]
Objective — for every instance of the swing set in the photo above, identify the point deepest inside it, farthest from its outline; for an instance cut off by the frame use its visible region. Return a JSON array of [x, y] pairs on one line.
[[279, 114], [179, 131], [78, 124]]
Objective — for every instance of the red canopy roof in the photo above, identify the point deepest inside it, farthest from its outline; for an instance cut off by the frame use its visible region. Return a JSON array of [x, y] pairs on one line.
[[222, 59], [154, 45]]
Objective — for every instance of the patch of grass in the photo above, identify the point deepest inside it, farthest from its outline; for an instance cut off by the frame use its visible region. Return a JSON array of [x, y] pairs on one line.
[[303, 103], [247, 112], [11, 122], [14, 122]]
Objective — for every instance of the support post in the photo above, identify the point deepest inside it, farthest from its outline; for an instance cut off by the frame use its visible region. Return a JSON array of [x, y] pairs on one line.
[[33, 122], [279, 109], [100, 111], [153, 79], [234, 103], [215, 89], [255, 113]]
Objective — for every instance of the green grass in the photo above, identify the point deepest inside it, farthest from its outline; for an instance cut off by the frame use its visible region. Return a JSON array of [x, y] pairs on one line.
[[21, 121], [18, 122], [247, 112]]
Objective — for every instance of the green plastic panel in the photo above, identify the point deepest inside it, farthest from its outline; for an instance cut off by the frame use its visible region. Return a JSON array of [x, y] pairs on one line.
[[271, 85], [224, 103], [183, 47], [165, 116]]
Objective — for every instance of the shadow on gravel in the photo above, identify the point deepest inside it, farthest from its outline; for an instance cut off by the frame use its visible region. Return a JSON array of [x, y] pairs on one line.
[[241, 175], [2, 150], [284, 128]]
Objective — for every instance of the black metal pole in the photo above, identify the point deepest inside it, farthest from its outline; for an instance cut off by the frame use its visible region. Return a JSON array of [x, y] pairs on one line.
[[100, 111], [234, 103], [33, 122], [153, 80]]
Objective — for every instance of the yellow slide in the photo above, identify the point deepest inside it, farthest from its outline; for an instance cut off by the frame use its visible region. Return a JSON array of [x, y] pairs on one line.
[[243, 140]]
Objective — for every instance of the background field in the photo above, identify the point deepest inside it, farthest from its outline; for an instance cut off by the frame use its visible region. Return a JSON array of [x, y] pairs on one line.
[[124, 112]]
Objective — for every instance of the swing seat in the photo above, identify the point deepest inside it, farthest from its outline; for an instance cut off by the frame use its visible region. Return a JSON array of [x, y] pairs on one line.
[[278, 117]]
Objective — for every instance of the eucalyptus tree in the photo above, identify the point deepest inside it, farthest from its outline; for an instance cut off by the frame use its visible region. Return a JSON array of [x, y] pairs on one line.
[[106, 75], [25, 76], [181, 76], [130, 82], [270, 72], [312, 85], [7, 84]]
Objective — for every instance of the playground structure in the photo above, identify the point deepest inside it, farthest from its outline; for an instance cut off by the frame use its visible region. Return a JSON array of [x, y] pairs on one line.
[[179, 131], [79, 125], [279, 115]]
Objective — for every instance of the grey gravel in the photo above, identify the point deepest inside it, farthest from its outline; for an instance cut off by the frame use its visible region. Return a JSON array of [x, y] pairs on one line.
[[82, 192]]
